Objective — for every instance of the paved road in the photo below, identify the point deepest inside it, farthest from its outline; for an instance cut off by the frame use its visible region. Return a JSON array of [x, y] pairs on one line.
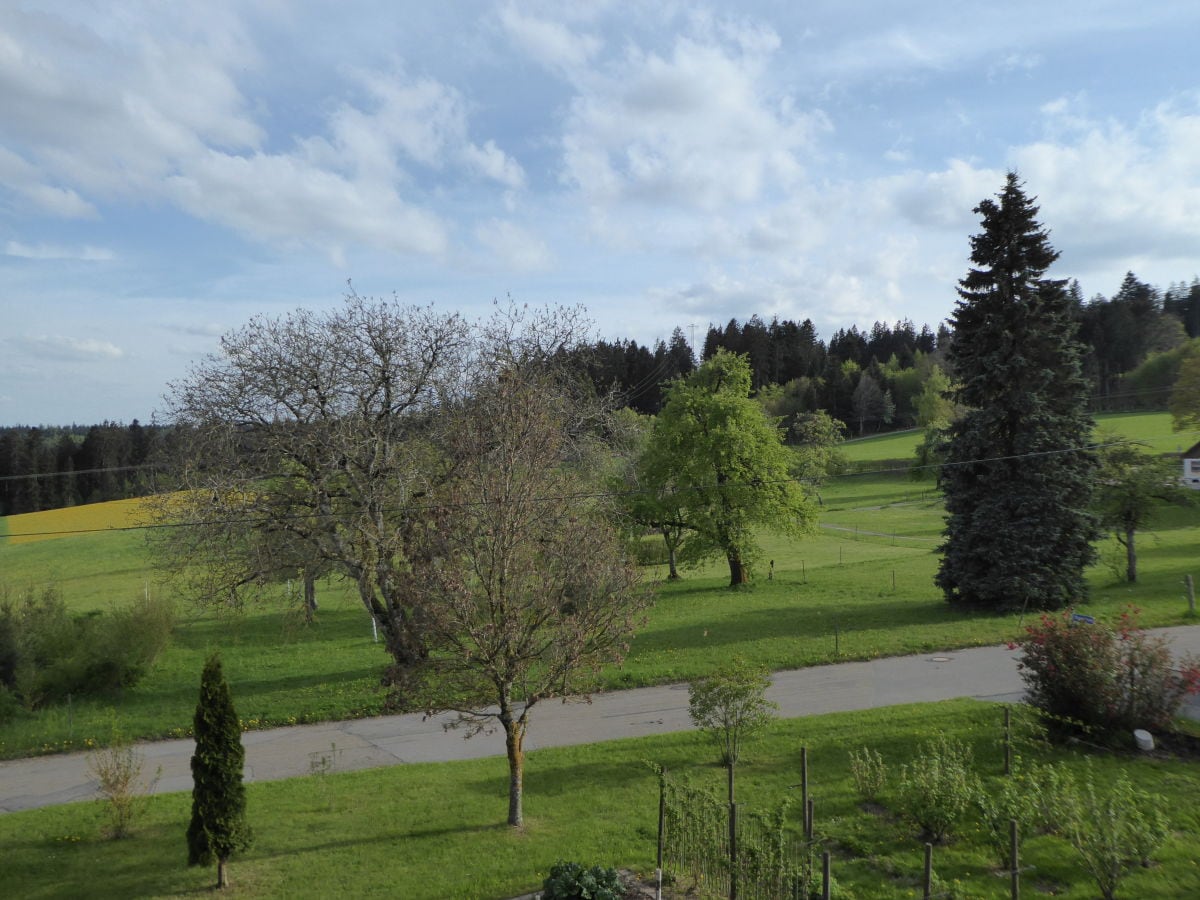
[[987, 673]]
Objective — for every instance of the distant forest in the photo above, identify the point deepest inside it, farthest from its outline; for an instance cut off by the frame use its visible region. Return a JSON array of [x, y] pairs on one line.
[[871, 380]]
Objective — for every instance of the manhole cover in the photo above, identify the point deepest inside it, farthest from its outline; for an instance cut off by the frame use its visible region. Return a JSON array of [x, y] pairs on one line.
[[942, 659]]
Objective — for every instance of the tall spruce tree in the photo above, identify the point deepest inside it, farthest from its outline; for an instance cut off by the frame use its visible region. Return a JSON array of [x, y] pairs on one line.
[[1017, 482], [218, 827]]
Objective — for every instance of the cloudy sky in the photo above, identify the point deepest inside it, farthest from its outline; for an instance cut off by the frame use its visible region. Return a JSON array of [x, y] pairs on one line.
[[168, 170]]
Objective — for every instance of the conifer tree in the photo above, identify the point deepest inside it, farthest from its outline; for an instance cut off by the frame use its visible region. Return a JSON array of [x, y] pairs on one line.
[[1017, 479], [218, 827]]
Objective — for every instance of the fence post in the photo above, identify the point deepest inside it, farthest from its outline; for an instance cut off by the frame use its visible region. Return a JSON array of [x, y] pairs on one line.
[[1014, 856], [1191, 592], [733, 854], [826, 881], [662, 822], [804, 791], [927, 880], [808, 819]]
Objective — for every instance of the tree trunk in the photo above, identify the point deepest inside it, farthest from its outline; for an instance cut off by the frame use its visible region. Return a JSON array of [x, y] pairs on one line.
[[222, 874], [310, 597], [738, 574], [1130, 556], [514, 743]]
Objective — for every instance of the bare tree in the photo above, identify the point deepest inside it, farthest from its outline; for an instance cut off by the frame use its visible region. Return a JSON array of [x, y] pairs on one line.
[[305, 444], [523, 578]]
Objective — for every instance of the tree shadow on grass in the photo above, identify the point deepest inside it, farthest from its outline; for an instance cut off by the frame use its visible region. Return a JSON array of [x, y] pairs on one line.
[[801, 622]]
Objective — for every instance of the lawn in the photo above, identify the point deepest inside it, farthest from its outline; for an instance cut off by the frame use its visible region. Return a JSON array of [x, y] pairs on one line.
[[861, 587], [435, 831]]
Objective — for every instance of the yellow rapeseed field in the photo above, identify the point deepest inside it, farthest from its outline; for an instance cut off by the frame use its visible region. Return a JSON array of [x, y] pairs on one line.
[[54, 523]]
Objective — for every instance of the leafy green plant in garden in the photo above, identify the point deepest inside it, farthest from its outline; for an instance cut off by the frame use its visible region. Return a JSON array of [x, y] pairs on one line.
[[730, 706], [1112, 830], [571, 881], [117, 769], [936, 789], [997, 804], [870, 773], [1103, 681]]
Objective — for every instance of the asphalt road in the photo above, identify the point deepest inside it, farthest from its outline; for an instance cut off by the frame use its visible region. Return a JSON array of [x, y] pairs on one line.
[[987, 673]]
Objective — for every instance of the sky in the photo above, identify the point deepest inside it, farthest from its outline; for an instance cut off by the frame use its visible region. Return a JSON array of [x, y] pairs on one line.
[[169, 170]]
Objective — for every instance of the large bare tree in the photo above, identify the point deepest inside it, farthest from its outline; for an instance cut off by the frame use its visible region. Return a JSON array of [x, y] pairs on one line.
[[304, 445], [527, 589]]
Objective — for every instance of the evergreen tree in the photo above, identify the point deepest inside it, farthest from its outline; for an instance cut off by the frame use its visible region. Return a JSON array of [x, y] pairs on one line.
[[1017, 480], [218, 828]]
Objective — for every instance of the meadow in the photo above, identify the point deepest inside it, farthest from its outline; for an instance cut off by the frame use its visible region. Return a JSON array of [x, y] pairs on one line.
[[860, 587], [436, 830]]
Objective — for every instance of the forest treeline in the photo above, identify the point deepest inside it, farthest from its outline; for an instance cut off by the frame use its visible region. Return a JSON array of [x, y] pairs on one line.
[[872, 380], [50, 467]]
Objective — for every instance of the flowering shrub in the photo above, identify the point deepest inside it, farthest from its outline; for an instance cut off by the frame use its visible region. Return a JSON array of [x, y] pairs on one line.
[[1102, 680]]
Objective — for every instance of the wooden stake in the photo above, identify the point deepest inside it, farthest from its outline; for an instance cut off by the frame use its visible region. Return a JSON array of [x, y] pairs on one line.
[[1013, 855], [927, 881]]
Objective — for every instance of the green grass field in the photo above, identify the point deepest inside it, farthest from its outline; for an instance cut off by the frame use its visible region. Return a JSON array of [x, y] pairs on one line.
[[1151, 428], [861, 587], [436, 832]]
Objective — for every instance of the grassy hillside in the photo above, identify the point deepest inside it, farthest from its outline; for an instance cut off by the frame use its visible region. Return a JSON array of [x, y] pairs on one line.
[[1151, 428], [861, 587]]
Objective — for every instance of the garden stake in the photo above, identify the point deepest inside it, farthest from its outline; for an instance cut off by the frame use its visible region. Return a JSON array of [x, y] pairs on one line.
[[804, 791], [662, 821], [1191, 592], [1013, 855], [733, 879], [927, 881], [826, 887]]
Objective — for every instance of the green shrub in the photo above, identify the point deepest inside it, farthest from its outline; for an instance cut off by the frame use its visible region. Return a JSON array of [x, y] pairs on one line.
[[1103, 681], [571, 881], [870, 773], [998, 804], [937, 788], [1112, 830], [46, 654]]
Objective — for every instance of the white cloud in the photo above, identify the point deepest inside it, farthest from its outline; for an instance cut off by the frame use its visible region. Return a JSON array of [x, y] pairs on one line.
[[516, 247], [86, 253], [942, 199], [61, 346], [491, 162], [282, 198], [1127, 189], [94, 112], [549, 43], [698, 128]]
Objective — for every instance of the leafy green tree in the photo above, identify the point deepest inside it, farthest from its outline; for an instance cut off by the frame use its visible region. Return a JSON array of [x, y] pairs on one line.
[[1185, 396], [1131, 486], [1018, 474], [818, 454], [730, 706], [722, 460], [218, 828]]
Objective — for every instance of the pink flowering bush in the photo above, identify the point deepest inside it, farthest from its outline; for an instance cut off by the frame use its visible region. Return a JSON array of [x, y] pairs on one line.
[[1102, 680]]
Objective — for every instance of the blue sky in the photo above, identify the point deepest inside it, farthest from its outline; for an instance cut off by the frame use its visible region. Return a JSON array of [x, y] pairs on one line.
[[168, 170]]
